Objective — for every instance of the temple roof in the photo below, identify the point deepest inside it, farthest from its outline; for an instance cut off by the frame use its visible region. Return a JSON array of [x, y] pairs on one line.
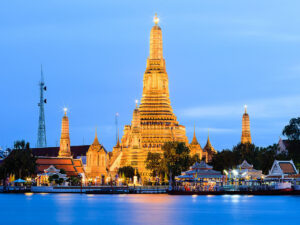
[[72, 166], [194, 141], [287, 168], [245, 165], [208, 146], [96, 146]]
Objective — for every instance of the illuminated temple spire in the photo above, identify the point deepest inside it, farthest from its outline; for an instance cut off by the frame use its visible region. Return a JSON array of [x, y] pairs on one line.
[[64, 148], [156, 45], [194, 141], [96, 141], [155, 108], [153, 122], [246, 135]]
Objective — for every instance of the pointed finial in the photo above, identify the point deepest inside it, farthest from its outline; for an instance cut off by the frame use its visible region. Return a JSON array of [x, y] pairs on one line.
[[65, 110], [245, 106], [96, 132], [118, 139], [156, 19], [136, 103]]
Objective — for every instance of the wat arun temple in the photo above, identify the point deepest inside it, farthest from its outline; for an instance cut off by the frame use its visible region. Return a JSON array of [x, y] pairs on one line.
[[153, 124]]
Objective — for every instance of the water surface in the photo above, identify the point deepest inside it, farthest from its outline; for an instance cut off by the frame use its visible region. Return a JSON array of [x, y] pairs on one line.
[[50, 209]]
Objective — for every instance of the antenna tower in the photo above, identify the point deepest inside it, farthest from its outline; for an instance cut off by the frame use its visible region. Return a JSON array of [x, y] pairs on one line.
[[41, 141]]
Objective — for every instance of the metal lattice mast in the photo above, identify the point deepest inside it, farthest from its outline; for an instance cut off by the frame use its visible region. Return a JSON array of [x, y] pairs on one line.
[[41, 141]]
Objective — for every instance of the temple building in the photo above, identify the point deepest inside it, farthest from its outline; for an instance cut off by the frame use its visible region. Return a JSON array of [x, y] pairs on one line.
[[245, 171], [97, 162], [195, 147], [208, 151], [64, 160], [246, 135], [153, 122]]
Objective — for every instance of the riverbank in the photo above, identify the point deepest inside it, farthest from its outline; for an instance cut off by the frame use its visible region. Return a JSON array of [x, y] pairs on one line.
[[88, 189], [137, 190], [271, 192]]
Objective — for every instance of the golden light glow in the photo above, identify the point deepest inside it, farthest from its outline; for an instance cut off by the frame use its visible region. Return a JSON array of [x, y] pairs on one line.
[[156, 19]]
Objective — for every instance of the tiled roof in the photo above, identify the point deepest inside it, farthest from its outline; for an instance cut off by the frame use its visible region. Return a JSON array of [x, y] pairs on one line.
[[287, 168], [72, 166]]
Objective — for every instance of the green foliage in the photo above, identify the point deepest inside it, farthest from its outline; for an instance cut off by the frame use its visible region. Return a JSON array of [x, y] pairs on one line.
[[154, 164], [225, 159], [20, 161], [176, 158], [74, 180], [55, 178], [127, 171], [260, 158], [292, 130], [195, 158], [62, 171], [244, 152]]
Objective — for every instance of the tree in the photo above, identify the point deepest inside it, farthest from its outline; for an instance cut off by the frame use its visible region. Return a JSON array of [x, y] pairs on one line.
[[74, 180], [62, 171], [154, 164], [195, 158], [292, 130], [127, 171], [176, 158], [224, 160], [20, 161], [56, 179]]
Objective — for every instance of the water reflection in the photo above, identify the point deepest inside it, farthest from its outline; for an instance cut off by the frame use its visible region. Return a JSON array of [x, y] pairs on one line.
[[147, 209]]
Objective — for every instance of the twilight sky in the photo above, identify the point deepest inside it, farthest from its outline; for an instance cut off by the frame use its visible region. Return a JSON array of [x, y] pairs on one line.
[[219, 55]]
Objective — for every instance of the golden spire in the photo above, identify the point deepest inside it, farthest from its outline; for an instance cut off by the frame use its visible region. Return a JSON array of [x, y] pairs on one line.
[[64, 147], [194, 141], [96, 141], [208, 144], [246, 135], [118, 141], [156, 48], [155, 19]]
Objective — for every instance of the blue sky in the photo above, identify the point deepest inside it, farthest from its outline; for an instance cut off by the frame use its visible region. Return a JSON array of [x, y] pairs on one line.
[[220, 55]]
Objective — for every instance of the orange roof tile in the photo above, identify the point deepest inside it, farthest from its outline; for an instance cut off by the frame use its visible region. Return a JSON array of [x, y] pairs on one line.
[[287, 168], [71, 166], [52, 161]]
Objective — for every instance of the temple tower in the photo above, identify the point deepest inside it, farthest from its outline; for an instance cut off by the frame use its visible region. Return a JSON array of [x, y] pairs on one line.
[[64, 147], [41, 140], [158, 122], [154, 122], [97, 161], [246, 135], [209, 150], [195, 147]]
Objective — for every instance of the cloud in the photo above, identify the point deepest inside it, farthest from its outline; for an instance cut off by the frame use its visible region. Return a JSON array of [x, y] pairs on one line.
[[287, 37], [258, 108], [210, 129]]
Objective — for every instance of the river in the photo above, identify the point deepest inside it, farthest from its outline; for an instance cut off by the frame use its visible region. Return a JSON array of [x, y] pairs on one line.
[[82, 209]]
